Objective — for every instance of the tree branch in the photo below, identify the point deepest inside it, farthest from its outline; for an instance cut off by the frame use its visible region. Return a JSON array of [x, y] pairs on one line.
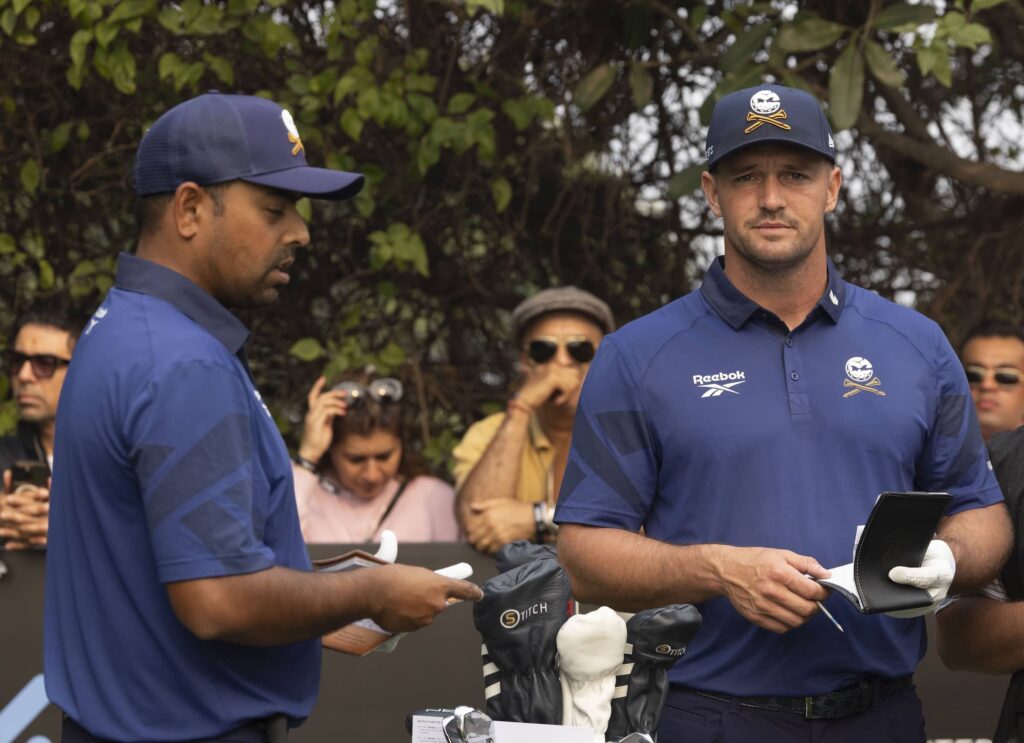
[[996, 179]]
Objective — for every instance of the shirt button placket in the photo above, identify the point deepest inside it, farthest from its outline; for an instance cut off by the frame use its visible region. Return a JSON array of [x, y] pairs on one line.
[[799, 404]]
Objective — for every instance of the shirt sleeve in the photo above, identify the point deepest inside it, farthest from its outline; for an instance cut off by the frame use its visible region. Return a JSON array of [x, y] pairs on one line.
[[954, 459], [612, 474], [191, 444], [471, 449]]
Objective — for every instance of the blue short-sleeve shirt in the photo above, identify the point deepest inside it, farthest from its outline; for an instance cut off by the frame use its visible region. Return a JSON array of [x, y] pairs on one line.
[[171, 469], [707, 421]]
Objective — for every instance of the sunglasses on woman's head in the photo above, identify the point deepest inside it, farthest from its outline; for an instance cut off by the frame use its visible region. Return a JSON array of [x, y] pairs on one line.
[[44, 365], [385, 391], [1005, 376], [541, 350]]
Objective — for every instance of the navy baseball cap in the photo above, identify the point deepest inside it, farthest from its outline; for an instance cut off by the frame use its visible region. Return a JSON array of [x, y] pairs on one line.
[[216, 137], [768, 113]]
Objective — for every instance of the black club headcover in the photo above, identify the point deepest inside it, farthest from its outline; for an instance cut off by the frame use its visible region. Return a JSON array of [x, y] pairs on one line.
[[656, 639], [518, 619], [520, 552]]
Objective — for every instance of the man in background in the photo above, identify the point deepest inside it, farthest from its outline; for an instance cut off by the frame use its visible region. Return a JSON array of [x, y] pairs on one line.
[[36, 363], [509, 466], [993, 358]]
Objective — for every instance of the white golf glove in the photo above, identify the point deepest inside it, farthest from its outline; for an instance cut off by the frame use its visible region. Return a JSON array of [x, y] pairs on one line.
[[935, 576], [589, 655]]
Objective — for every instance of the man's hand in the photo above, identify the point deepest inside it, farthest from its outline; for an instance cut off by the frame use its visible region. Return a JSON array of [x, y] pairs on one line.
[[550, 382], [24, 515], [770, 587], [935, 576], [317, 430], [493, 523], [406, 598]]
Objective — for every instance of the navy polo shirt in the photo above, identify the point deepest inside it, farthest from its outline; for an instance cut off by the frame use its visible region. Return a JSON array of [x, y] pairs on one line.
[[707, 421], [170, 469]]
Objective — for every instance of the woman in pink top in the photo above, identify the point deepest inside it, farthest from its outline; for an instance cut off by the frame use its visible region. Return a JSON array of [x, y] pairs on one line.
[[352, 478]]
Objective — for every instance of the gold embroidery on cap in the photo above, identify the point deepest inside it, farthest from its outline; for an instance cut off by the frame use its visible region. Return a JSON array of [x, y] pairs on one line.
[[762, 120], [293, 132]]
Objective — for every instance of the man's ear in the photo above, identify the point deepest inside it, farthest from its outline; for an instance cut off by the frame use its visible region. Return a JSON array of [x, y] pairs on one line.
[[835, 182], [710, 186], [187, 206]]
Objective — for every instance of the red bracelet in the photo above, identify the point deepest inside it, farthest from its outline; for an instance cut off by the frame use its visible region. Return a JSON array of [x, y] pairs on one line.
[[517, 404]]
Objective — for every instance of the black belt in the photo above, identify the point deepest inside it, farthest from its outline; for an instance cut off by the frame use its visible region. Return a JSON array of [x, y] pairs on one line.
[[853, 700]]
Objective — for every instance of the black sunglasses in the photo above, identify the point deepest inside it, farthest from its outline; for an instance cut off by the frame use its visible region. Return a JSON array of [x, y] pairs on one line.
[[43, 364], [385, 391], [542, 350], [1005, 376]]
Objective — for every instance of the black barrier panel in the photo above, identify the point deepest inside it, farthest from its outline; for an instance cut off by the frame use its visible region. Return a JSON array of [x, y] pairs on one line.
[[368, 698]]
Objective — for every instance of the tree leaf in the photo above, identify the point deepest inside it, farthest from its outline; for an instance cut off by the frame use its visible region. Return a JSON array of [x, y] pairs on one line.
[[105, 33], [392, 355], [79, 46], [883, 66], [903, 14], [221, 68], [20, 5], [501, 192], [126, 10], [305, 209], [29, 176], [686, 181], [496, 7], [59, 136], [979, 5], [846, 87], [8, 21], [46, 277], [592, 88], [809, 35], [168, 65], [744, 46], [307, 349], [971, 35], [460, 103], [641, 84], [926, 59], [352, 123], [942, 70]]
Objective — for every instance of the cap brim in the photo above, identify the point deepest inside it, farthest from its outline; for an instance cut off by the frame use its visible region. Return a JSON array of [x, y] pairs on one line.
[[317, 183]]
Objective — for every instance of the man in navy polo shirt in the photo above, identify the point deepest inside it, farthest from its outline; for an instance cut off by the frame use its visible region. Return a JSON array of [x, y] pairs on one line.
[[179, 602], [747, 428]]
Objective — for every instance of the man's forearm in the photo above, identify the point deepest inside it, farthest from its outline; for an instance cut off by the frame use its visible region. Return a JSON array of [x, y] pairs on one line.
[[630, 572], [980, 539], [496, 475], [983, 635], [272, 607]]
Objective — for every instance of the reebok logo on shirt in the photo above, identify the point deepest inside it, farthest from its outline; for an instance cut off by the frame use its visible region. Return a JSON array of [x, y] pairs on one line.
[[716, 384]]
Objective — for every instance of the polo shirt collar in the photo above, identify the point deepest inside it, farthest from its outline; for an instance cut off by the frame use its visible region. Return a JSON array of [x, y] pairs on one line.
[[136, 274], [736, 308]]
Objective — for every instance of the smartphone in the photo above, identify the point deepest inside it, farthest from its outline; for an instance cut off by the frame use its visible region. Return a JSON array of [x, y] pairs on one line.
[[27, 472]]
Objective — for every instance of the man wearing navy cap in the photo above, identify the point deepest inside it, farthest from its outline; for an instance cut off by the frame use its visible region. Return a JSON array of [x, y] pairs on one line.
[[747, 428], [179, 602]]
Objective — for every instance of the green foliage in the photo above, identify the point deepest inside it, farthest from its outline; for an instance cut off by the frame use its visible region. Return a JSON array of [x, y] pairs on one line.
[[491, 137], [594, 86], [846, 87]]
